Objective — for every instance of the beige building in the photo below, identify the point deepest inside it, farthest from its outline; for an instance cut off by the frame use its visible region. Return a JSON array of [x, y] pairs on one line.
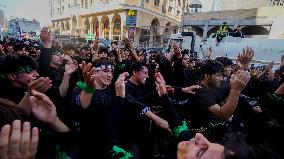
[[148, 20]]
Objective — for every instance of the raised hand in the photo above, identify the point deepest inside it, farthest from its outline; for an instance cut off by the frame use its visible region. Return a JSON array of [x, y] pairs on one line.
[[88, 73], [41, 84], [120, 84], [190, 89], [209, 53], [71, 67], [127, 43], [18, 141], [239, 80], [245, 58], [45, 37], [43, 108], [96, 44], [160, 84]]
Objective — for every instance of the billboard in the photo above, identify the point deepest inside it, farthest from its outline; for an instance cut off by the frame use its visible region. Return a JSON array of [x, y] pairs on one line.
[[131, 18]]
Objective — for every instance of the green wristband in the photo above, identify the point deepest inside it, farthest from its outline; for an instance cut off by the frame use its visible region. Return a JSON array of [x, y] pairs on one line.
[[177, 130], [84, 86], [117, 150]]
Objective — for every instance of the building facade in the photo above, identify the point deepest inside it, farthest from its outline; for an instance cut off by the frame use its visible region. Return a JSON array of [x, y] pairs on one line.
[[20, 25], [2, 19], [2, 23], [143, 20], [249, 4]]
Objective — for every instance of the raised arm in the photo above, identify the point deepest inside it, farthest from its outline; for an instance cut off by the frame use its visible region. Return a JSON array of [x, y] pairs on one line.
[[244, 58], [70, 68], [238, 83], [89, 86], [95, 49], [45, 56], [131, 50]]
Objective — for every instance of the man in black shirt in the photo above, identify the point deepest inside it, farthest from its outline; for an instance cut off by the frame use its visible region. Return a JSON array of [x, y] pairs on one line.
[[141, 96], [209, 111]]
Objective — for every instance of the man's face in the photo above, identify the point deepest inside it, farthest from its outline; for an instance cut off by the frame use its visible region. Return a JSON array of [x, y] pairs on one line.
[[10, 49], [24, 78], [215, 79], [227, 71], [142, 75], [185, 61], [105, 75], [191, 64], [141, 56], [57, 59], [199, 148], [102, 55]]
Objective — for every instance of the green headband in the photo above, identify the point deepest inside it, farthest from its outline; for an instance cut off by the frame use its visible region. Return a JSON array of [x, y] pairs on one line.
[[23, 69]]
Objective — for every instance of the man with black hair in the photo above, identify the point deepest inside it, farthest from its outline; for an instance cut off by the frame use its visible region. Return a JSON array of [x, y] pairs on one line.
[[227, 64], [141, 96], [18, 77], [50, 62], [213, 107], [98, 105]]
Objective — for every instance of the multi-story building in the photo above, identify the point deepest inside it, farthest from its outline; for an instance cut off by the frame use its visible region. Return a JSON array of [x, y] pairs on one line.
[[20, 25], [148, 20]]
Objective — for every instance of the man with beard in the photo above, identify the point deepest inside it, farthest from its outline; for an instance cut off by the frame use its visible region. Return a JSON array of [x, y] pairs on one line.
[[213, 108]]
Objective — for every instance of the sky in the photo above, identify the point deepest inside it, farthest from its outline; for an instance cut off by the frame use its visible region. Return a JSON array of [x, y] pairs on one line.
[[28, 9], [38, 9]]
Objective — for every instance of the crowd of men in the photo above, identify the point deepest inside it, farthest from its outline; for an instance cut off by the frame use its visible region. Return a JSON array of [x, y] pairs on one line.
[[86, 101]]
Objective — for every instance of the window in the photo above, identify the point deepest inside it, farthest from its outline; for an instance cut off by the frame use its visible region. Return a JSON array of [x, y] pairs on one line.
[[179, 3], [58, 10], [164, 7], [170, 9], [178, 12], [62, 9], [157, 3], [91, 2], [147, 1], [86, 4], [69, 6]]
